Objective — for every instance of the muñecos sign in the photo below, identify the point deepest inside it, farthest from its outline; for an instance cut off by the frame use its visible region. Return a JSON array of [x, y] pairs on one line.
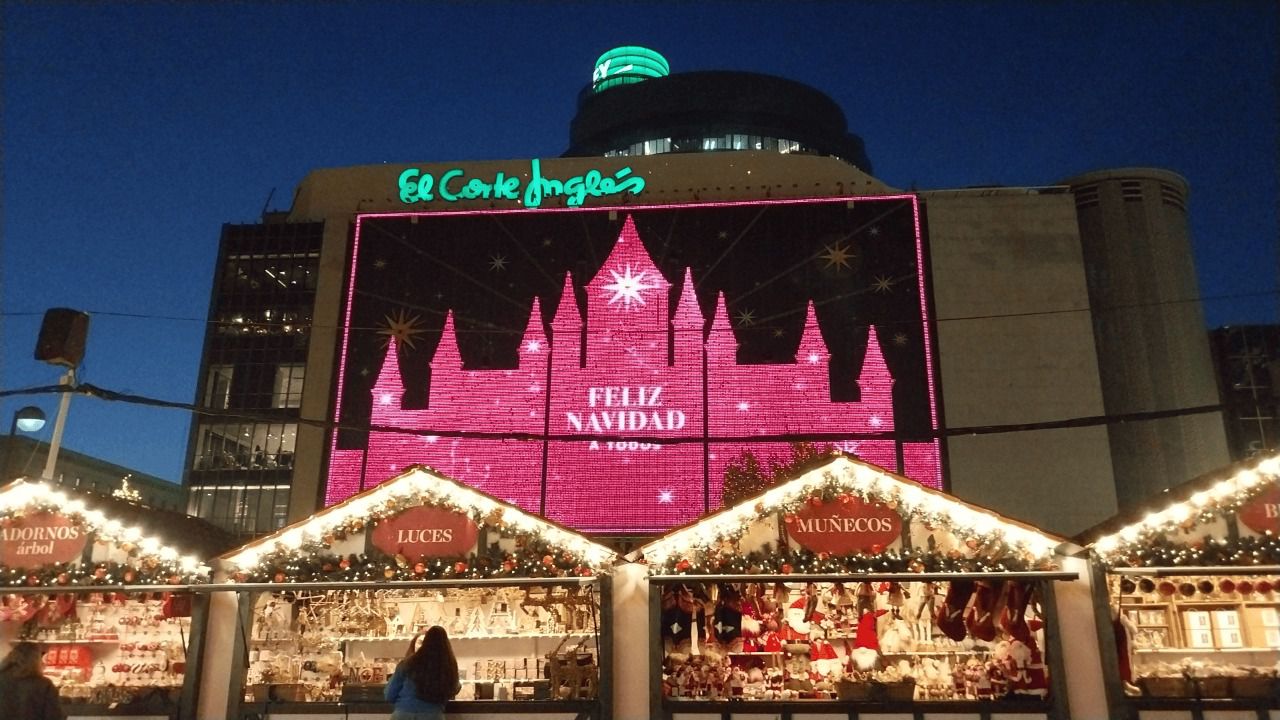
[[41, 538], [1262, 514], [426, 532], [845, 526], [454, 185]]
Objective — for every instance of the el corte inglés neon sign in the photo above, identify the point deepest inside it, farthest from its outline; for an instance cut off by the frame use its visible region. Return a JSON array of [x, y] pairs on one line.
[[454, 185]]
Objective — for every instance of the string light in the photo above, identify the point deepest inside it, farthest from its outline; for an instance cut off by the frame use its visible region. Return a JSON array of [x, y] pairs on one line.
[[993, 543], [1148, 542], [149, 561], [304, 551]]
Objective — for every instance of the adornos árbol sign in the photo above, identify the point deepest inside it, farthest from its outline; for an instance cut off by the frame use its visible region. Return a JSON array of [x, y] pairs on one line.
[[41, 538], [845, 526], [1262, 514], [426, 532]]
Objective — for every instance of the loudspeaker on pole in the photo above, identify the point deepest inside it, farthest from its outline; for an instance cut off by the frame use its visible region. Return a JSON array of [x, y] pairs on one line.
[[62, 337]]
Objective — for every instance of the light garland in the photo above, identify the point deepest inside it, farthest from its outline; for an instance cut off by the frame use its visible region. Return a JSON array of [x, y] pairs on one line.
[[993, 543], [1145, 542], [302, 551], [150, 561]]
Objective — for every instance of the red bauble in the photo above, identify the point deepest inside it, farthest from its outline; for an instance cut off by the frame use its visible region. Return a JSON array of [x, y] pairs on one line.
[[786, 568], [278, 577], [344, 563], [33, 580], [876, 549], [683, 565], [63, 578], [419, 568], [548, 560], [508, 565], [459, 567]]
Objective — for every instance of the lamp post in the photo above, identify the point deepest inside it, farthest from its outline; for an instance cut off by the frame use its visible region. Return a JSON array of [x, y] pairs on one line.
[[27, 419]]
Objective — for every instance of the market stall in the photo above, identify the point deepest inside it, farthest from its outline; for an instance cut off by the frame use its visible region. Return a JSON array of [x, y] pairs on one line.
[[1187, 591], [105, 587], [849, 590], [327, 607]]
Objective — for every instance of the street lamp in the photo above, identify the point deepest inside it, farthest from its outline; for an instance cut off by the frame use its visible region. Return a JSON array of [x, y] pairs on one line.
[[28, 419]]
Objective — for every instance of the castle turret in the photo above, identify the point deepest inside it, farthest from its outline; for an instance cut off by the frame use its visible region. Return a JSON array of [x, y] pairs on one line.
[[388, 388], [722, 346], [687, 325], [876, 384], [566, 328]]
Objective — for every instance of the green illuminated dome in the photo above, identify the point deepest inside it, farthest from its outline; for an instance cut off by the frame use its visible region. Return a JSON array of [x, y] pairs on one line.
[[626, 65]]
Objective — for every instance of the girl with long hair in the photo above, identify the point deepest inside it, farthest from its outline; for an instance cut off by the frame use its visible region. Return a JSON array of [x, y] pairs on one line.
[[425, 680], [25, 693]]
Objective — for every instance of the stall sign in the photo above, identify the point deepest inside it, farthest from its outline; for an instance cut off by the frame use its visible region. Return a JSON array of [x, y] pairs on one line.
[[844, 526], [41, 538], [426, 532], [1262, 514]]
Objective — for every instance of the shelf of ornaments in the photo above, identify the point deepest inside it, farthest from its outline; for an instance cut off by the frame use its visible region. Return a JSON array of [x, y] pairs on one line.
[[453, 638], [1275, 652]]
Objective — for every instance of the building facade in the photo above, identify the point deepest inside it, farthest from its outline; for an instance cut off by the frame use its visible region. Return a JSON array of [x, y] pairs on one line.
[[599, 337], [1247, 359], [26, 457]]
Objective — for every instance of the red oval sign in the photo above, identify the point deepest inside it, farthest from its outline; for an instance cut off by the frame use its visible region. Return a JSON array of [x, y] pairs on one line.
[[426, 532], [1262, 514], [845, 526], [42, 538]]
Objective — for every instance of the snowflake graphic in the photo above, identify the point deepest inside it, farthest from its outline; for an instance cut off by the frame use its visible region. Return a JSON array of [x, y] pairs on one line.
[[627, 287]]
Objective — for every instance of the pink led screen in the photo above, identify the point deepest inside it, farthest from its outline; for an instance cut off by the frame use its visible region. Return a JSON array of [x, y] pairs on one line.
[[602, 367]]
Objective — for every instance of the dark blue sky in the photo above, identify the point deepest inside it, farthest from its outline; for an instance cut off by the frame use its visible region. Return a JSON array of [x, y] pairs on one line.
[[131, 132]]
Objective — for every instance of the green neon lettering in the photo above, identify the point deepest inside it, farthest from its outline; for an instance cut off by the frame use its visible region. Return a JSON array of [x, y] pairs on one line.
[[416, 186], [408, 186], [533, 192], [445, 193]]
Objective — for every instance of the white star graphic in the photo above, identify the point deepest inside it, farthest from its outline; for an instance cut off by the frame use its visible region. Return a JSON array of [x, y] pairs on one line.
[[746, 317], [744, 406], [497, 262], [722, 234], [626, 287], [874, 231], [875, 421], [385, 399], [666, 497], [814, 358], [900, 339], [533, 346], [883, 283], [402, 328]]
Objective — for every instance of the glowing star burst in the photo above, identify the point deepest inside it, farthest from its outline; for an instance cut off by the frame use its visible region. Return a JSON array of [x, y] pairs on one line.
[[744, 406], [497, 262], [814, 358], [401, 327], [883, 283], [875, 421], [533, 346], [837, 256], [666, 497], [900, 339], [626, 287], [746, 317]]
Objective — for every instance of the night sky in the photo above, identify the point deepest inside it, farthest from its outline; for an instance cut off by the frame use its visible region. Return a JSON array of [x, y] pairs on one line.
[[131, 132]]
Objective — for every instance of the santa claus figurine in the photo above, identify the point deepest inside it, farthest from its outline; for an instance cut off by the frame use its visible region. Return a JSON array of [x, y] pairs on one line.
[[866, 642]]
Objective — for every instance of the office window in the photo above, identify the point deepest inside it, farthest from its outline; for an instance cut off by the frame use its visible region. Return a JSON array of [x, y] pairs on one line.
[[217, 387], [287, 390]]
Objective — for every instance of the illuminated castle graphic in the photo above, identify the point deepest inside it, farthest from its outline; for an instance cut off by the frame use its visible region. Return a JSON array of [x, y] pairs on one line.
[[628, 367]]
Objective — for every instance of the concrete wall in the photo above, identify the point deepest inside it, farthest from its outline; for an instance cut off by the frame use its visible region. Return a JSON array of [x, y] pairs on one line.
[[1153, 348], [1016, 347]]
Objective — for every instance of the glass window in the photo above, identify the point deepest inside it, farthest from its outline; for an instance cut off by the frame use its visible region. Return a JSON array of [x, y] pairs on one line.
[[287, 390], [217, 387], [235, 446]]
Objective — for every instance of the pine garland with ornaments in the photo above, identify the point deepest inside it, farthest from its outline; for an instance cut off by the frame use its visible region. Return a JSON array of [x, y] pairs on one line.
[[88, 575], [744, 477], [1167, 552], [317, 564], [979, 550], [314, 561]]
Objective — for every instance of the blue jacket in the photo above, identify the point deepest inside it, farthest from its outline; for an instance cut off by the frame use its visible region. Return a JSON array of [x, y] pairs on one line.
[[404, 695]]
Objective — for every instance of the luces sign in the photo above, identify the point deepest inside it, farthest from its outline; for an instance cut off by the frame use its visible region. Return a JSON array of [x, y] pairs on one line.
[[454, 185]]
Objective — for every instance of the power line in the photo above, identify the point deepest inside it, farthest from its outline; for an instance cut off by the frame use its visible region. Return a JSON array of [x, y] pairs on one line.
[[324, 424]]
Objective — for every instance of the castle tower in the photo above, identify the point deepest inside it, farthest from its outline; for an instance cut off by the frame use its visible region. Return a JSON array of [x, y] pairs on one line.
[[566, 329], [687, 325], [627, 314]]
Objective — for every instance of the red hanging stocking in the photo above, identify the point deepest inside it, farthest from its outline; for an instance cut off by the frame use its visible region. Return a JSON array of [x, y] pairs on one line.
[[951, 614], [1014, 618], [981, 618]]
